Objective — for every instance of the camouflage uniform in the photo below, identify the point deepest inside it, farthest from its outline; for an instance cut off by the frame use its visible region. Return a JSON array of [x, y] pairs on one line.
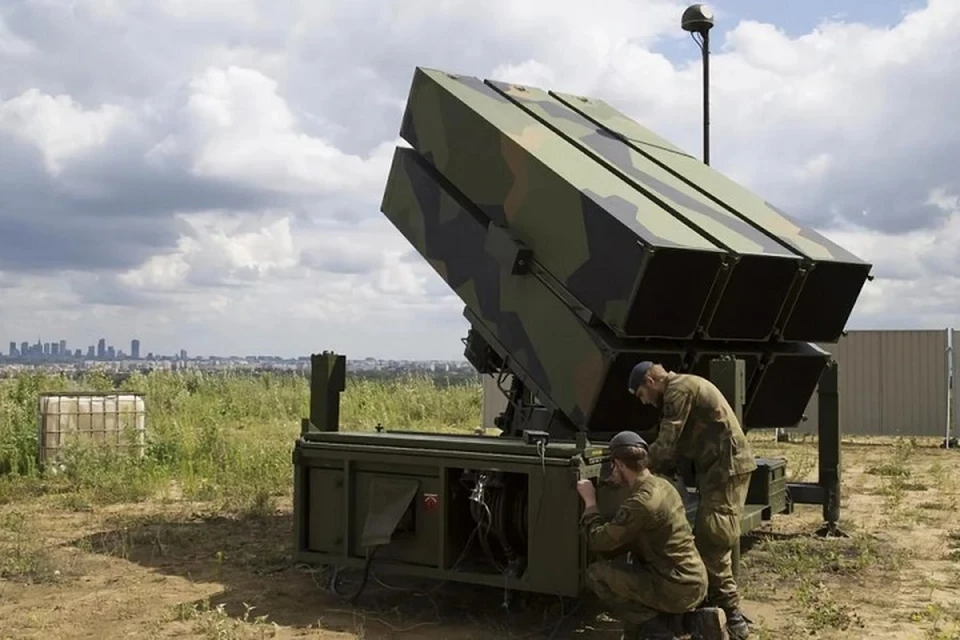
[[699, 424], [665, 573]]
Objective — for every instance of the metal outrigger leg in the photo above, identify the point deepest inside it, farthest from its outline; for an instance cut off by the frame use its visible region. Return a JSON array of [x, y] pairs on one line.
[[826, 491]]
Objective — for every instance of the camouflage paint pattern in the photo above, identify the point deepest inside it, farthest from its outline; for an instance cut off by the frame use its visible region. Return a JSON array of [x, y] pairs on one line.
[[772, 268], [572, 366], [591, 230], [717, 529], [651, 524], [699, 424], [724, 228], [604, 237], [550, 347], [520, 310], [822, 306], [709, 181]]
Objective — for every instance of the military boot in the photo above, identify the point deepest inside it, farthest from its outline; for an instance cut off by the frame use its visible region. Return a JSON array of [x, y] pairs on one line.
[[706, 623], [737, 626]]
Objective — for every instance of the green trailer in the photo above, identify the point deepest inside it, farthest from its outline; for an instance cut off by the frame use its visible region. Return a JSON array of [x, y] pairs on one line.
[[580, 243]]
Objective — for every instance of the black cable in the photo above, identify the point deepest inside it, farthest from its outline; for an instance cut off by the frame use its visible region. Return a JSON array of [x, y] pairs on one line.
[[463, 555], [699, 42], [363, 582]]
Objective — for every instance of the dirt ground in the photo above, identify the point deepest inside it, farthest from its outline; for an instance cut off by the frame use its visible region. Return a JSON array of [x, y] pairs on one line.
[[169, 569]]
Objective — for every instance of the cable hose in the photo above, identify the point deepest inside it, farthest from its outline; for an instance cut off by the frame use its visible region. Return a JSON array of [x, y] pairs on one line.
[[363, 582]]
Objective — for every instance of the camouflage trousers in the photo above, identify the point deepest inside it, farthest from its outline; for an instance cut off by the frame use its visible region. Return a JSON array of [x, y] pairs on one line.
[[635, 594], [717, 530]]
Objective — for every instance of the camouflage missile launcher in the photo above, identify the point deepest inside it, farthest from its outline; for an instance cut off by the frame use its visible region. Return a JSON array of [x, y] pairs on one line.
[[648, 253], [580, 243]]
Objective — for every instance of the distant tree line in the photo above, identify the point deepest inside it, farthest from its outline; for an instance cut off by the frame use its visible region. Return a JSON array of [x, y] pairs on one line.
[[440, 378]]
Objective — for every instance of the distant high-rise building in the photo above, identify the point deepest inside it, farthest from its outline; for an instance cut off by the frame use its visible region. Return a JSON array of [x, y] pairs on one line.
[[135, 349], [183, 354], [78, 353], [63, 348], [24, 348], [101, 348], [91, 352], [55, 348], [13, 350], [111, 353], [46, 348]]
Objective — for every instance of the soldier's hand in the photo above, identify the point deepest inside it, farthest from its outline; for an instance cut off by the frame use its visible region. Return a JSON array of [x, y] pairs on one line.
[[586, 490]]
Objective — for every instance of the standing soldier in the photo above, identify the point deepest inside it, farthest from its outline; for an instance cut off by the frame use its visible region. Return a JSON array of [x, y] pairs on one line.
[[658, 589], [698, 423]]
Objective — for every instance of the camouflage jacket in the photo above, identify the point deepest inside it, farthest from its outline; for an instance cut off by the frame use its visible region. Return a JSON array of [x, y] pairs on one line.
[[651, 524], [699, 424]]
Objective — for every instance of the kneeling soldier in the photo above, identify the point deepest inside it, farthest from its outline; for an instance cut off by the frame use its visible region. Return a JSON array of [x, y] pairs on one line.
[[665, 577]]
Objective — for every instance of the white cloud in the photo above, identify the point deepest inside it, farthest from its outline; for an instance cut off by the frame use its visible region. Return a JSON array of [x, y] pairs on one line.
[[250, 268], [237, 127], [917, 272], [234, 167], [217, 250], [58, 127]]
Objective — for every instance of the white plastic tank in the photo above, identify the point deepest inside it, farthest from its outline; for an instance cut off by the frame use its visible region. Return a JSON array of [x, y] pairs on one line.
[[109, 420]]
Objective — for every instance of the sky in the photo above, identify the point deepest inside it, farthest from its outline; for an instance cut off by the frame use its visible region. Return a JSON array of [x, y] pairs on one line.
[[207, 174]]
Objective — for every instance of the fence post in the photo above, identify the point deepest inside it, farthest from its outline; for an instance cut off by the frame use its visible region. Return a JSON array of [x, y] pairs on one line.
[[948, 362]]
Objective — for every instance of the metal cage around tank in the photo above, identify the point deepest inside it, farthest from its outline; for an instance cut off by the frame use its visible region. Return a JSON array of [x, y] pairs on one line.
[[114, 420]]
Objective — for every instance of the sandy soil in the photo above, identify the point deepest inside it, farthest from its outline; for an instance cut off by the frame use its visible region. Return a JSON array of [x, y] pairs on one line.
[[177, 570]]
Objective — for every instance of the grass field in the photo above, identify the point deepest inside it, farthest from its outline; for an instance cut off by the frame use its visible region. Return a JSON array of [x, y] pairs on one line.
[[193, 541]]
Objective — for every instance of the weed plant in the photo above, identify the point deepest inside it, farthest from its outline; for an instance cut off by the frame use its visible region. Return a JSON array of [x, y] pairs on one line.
[[222, 436]]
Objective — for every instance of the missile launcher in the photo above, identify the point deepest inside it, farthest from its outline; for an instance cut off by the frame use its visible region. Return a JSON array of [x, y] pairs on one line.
[[580, 243]]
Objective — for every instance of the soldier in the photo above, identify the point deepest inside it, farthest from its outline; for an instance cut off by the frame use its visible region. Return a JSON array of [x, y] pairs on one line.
[[664, 577], [698, 423]]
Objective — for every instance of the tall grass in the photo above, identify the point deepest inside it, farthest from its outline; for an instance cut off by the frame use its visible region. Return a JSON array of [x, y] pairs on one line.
[[223, 437]]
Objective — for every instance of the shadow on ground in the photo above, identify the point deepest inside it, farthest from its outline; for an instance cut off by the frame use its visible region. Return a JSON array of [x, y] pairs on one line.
[[757, 538], [250, 557]]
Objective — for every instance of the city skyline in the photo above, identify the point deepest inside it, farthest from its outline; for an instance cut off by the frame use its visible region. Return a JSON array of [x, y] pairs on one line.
[[59, 356], [62, 350], [101, 350]]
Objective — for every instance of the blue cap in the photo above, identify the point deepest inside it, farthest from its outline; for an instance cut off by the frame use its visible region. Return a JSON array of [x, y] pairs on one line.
[[636, 375]]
